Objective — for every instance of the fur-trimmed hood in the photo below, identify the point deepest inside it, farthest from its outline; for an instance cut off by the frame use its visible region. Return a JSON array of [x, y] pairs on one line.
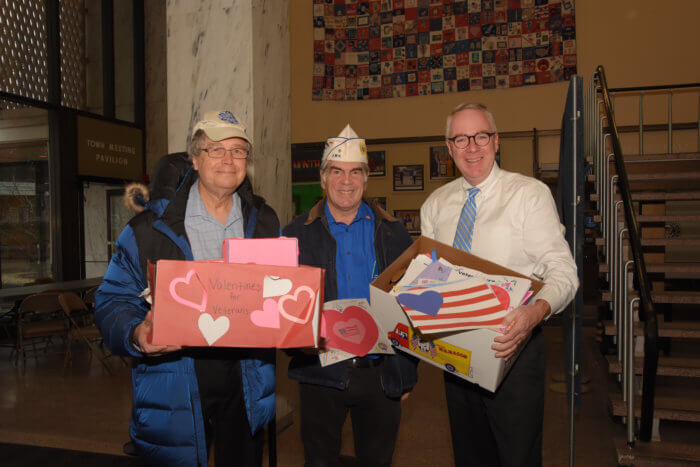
[[167, 176]]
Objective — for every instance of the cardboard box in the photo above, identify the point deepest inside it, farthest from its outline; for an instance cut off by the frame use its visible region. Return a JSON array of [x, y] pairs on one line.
[[205, 303], [466, 354], [282, 251]]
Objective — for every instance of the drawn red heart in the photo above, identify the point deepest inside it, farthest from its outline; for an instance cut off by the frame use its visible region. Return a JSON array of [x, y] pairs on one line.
[[353, 330], [502, 296]]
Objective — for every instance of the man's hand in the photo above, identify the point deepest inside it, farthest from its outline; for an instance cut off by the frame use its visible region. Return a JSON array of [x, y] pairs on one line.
[[141, 333], [405, 395], [518, 324]]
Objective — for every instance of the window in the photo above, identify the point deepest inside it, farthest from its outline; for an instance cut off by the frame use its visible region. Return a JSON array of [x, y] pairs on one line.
[[25, 199]]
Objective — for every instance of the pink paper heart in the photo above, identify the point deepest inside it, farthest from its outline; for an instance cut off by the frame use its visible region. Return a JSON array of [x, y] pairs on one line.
[[268, 317], [183, 301], [295, 309]]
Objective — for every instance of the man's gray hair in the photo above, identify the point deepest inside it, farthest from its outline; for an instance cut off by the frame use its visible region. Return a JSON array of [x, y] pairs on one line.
[[194, 147], [324, 166], [470, 106]]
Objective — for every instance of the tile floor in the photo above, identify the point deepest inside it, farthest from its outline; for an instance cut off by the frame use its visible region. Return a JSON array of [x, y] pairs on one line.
[[86, 409]]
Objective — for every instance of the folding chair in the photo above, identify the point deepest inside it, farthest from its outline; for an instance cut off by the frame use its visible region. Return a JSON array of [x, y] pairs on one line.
[[90, 297], [39, 320], [82, 329]]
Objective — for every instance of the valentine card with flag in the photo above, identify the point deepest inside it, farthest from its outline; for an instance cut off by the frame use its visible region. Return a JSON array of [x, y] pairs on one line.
[[350, 331], [452, 306], [204, 303]]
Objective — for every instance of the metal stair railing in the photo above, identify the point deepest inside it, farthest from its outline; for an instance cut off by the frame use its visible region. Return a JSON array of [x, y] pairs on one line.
[[669, 126], [599, 94]]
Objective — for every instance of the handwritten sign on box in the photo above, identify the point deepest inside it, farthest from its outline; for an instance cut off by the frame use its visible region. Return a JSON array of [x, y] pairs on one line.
[[236, 305]]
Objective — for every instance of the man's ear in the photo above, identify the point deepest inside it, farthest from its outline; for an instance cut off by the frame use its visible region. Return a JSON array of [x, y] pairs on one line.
[[195, 162], [449, 148]]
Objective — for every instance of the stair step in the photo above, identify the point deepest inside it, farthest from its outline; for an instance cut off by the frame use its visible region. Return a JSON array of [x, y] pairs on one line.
[[664, 157], [662, 267], [668, 366], [656, 453], [666, 218], [672, 329], [687, 195], [692, 241], [665, 408], [656, 176], [685, 297]]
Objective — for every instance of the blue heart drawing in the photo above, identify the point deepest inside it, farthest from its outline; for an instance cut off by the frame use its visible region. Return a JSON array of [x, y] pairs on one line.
[[428, 302]]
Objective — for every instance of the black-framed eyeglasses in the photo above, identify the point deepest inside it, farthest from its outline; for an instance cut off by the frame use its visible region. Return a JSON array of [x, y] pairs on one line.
[[219, 151], [462, 141]]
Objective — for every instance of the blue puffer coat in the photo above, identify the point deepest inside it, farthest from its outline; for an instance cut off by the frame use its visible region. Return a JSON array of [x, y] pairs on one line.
[[166, 422]]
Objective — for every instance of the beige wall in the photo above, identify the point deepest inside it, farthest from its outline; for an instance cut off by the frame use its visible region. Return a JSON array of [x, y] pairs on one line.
[[639, 42]]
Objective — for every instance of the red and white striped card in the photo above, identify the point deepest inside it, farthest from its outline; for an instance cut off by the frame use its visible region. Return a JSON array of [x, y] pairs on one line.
[[452, 306]]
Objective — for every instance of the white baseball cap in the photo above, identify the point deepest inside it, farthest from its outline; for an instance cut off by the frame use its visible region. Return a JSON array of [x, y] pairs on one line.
[[346, 147], [222, 124]]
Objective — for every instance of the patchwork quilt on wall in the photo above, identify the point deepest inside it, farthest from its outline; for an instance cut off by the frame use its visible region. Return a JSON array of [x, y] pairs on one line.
[[395, 48]]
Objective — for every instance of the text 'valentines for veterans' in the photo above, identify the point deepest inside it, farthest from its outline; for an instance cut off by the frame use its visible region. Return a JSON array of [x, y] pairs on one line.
[[205, 303]]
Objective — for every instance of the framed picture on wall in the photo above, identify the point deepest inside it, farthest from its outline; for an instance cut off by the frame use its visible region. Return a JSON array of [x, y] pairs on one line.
[[377, 163], [441, 164], [408, 178], [306, 163], [379, 201], [410, 219]]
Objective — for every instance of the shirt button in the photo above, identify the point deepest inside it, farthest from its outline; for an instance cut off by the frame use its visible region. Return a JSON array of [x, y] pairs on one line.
[[348, 252], [350, 277], [347, 230]]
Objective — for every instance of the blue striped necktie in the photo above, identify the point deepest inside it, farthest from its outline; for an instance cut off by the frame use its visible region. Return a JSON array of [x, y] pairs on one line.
[[465, 228]]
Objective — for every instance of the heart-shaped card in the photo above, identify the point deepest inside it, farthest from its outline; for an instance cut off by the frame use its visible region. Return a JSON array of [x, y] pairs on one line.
[[349, 327]]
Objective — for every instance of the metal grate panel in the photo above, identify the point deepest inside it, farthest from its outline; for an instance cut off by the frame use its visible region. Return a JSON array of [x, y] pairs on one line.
[[23, 68], [72, 33]]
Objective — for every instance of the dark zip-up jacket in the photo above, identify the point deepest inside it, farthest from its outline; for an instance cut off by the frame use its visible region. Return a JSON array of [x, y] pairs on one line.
[[166, 422], [317, 247]]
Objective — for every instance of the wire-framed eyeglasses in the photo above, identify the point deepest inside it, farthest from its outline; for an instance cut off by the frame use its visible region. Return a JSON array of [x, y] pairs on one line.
[[219, 151], [462, 141]]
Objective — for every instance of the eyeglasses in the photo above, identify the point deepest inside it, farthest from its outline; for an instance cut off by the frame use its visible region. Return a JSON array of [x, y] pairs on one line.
[[462, 141], [219, 151]]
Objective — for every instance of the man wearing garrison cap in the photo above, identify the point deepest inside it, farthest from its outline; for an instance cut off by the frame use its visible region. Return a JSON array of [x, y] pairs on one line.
[[354, 242]]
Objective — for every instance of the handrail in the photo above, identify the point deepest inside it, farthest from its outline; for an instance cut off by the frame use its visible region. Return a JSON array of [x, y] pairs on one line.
[[647, 312], [655, 88]]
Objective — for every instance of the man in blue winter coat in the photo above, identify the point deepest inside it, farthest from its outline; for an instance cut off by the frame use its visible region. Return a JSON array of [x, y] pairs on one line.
[[187, 398], [353, 242]]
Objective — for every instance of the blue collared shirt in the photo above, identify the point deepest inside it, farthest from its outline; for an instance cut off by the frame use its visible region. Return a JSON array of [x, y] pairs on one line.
[[355, 259], [205, 232]]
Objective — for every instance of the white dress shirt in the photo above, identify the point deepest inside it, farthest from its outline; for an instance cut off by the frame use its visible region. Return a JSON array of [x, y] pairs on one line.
[[517, 226]]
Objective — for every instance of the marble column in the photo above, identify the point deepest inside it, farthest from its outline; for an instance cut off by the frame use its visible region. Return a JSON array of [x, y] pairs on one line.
[[234, 54]]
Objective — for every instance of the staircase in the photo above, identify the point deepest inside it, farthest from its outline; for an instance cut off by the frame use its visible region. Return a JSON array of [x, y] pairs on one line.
[[663, 205]]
